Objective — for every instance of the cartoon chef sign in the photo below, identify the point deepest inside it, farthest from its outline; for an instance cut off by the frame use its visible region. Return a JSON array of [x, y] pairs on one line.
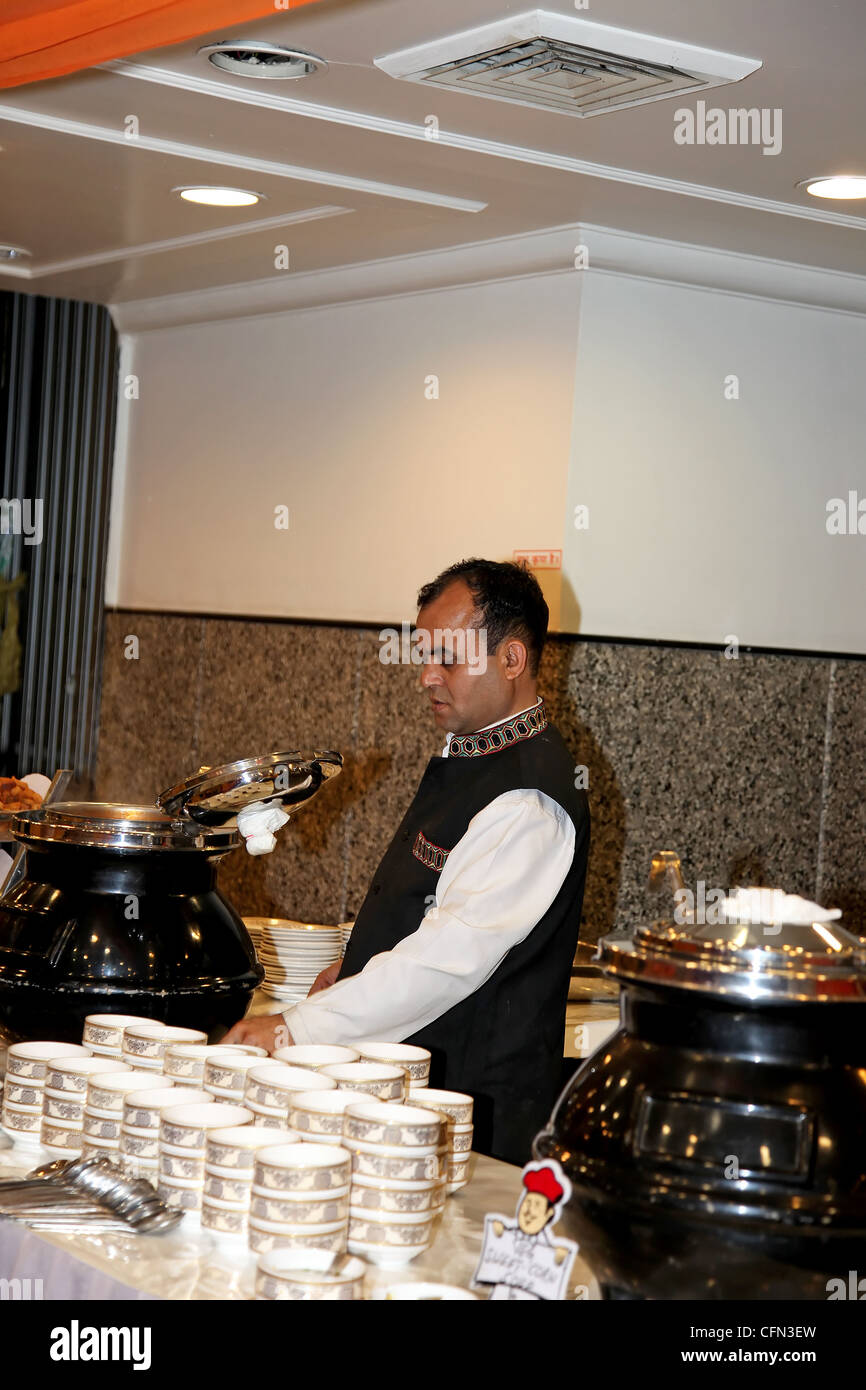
[[521, 1258]]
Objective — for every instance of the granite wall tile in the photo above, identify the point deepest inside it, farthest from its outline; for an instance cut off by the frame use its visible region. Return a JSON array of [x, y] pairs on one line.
[[724, 761], [842, 881], [718, 759], [150, 697], [279, 686]]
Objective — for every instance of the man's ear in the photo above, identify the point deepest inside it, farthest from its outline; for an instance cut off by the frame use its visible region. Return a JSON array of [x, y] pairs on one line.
[[515, 657]]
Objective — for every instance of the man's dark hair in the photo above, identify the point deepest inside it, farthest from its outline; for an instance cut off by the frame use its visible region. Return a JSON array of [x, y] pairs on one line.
[[508, 598]]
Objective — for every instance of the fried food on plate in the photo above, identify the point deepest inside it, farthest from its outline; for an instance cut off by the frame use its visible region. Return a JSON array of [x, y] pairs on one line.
[[17, 796]]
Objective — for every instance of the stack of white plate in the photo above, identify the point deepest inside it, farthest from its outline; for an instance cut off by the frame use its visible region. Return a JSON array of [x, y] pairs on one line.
[[293, 954], [345, 933]]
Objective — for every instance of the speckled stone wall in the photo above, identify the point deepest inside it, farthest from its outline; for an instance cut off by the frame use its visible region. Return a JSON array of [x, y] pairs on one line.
[[753, 769]]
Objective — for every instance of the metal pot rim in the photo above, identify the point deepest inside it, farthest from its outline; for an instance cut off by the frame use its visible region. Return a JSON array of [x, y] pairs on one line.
[[114, 826]]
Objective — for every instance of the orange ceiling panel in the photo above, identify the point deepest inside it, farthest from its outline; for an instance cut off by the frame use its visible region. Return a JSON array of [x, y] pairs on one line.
[[47, 38]]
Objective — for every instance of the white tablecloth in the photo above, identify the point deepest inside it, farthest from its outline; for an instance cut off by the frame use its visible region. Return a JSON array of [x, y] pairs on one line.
[[191, 1263]]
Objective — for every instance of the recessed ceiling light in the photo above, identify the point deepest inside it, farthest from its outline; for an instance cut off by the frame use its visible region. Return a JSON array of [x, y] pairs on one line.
[[263, 61], [13, 253], [219, 197], [836, 186]]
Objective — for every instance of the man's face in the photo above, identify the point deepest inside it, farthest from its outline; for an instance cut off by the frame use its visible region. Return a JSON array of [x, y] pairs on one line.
[[469, 686], [532, 1213]]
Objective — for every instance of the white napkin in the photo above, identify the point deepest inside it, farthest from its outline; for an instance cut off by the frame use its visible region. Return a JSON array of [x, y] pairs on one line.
[[257, 824], [37, 782], [771, 905]]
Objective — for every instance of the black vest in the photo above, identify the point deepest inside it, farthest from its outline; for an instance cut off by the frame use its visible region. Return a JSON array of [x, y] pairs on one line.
[[504, 1043]]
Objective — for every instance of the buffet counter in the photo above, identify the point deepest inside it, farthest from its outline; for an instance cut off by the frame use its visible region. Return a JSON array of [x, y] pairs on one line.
[[191, 1264]]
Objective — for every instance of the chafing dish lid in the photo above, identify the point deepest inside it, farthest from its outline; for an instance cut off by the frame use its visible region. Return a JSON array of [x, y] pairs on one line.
[[752, 962], [215, 795], [110, 825]]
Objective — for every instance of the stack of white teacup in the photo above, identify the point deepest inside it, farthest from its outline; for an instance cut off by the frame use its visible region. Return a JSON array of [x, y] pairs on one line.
[[103, 1108], [456, 1108], [228, 1178], [398, 1179], [24, 1091], [415, 1061], [184, 1063], [300, 1197], [65, 1118], [183, 1133], [103, 1033], [138, 1136], [378, 1080], [144, 1044], [271, 1086]]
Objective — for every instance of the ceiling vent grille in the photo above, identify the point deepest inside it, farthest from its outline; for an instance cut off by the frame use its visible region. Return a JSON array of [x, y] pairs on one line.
[[558, 63]]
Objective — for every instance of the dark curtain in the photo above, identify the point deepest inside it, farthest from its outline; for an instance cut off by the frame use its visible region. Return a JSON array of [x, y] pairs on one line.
[[58, 379]]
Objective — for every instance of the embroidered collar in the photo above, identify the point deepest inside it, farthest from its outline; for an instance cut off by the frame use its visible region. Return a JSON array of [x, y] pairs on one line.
[[515, 730]]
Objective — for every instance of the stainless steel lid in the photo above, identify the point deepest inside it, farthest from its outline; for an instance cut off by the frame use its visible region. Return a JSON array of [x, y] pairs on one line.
[[215, 795], [756, 963], [108, 825], [198, 814]]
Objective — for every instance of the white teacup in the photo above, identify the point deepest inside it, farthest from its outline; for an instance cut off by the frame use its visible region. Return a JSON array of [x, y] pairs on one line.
[[372, 1078], [415, 1061], [187, 1126], [314, 1056], [302, 1167], [400, 1125]]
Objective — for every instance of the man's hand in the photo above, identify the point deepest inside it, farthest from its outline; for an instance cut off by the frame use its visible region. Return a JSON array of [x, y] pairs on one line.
[[325, 978], [269, 1032]]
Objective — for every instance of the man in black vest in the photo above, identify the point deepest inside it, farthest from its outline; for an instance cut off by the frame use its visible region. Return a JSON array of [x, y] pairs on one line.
[[465, 940]]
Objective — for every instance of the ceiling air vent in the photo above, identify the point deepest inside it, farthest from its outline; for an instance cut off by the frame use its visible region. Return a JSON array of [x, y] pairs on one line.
[[556, 62], [268, 62]]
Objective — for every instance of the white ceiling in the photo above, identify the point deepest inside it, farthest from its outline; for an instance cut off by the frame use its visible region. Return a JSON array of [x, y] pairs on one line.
[[350, 176]]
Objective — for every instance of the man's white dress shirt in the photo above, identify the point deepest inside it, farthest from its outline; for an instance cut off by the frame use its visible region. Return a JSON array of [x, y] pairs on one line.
[[498, 882]]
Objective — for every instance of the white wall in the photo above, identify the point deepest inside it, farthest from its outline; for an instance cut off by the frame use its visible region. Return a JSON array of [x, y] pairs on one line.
[[324, 411], [707, 516]]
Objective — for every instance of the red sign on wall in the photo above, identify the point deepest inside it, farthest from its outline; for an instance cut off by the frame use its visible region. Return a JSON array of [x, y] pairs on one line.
[[540, 559]]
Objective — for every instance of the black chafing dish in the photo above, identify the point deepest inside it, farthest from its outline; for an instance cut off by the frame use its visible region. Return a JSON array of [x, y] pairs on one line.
[[116, 908], [717, 1142]]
